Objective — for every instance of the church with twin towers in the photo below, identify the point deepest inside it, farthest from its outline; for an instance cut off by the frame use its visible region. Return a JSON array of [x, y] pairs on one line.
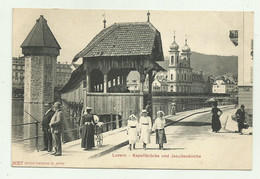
[[180, 77]]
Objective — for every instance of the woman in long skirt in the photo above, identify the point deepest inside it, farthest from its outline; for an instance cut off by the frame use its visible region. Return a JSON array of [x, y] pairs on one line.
[[132, 131], [145, 124], [158, 127], [87, 130], [216, 113]]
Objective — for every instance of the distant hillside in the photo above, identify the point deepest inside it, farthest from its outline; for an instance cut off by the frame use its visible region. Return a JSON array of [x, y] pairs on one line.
[[210, 65], [213, 64]]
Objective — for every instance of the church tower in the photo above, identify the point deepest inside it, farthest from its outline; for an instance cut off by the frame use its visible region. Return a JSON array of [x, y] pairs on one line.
[[173, 65], [179, 75], [186, 52], [40, 49], [186, 68]]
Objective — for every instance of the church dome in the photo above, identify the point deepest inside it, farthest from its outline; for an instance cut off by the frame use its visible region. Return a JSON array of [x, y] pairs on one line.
[[174, 46], [186, 48]]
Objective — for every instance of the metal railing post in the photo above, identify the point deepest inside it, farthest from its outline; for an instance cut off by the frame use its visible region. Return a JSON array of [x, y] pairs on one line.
[[111, 116]]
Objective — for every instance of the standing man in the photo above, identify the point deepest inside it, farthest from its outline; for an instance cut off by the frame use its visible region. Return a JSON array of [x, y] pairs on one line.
[[241, 118], [173, 109], [148, 108], [56, 128], [46, 128]]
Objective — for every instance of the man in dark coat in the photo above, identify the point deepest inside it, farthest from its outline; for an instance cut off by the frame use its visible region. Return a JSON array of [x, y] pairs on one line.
[[47, 136], [241, 118], [148, 108], [56, 128]]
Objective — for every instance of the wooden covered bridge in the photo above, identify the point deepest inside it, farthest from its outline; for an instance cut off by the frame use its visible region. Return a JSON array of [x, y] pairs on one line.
[[101, 80]]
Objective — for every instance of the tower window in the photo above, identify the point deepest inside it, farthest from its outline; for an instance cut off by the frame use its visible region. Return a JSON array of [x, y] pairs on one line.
[[171, 76], [172, 60]]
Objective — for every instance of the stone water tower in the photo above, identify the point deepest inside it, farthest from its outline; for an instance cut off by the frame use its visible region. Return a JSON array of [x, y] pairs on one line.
[[40, 49]]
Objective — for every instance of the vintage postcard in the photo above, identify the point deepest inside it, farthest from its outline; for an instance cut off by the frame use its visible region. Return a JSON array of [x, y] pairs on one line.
[[132, 89]]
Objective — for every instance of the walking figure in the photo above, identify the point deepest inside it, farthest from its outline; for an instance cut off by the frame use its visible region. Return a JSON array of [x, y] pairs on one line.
[[158, 127], [148, 108], [132, 131], [241, 119], [216, 113], [87, 130], [145, 124], [173, 109]]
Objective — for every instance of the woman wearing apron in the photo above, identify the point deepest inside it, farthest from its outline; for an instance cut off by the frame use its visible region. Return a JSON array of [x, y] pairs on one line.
[[145, 124], [158, 127], [87, 130]]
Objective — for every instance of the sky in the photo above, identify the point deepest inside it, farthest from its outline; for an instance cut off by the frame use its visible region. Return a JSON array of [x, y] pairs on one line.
[[207, 31]]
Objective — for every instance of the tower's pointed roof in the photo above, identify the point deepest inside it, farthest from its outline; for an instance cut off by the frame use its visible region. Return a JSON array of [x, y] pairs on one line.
[[174, 46], [186, 48], [41, 36]]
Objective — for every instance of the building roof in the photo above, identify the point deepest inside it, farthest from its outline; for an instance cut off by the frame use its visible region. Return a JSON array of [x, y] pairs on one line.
[[164, 64], [197, 77], [225, 79], [76, 78], [41, 36], [163, 83], [123, 39]]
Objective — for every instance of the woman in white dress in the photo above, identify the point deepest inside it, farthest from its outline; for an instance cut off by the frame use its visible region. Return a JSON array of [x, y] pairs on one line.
[[145, 126], [158, 127], [132, 131]]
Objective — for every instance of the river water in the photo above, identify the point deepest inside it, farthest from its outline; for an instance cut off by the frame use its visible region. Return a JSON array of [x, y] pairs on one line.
[[27, 131]]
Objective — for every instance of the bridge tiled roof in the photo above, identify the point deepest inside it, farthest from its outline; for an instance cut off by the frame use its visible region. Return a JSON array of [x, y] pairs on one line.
[[122, 39]]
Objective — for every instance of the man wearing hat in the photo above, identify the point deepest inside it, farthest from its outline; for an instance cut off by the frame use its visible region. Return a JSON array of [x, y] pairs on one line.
[[56, 128], [241, 118], [46, 128]]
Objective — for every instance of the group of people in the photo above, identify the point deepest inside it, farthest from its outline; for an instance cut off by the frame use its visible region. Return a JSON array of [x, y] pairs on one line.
[[52, 128], [144, 128], [240, 116], [53, 119]]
